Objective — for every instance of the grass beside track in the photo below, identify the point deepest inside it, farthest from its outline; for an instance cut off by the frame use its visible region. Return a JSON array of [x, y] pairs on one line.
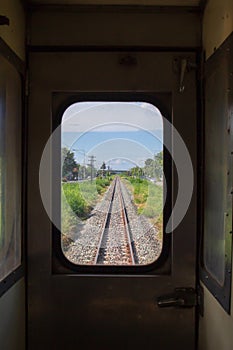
[[78, 199], [148, 198]]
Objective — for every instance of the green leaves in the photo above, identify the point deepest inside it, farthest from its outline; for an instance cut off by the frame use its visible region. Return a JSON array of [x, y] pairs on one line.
[[154, 167], [69, 165]]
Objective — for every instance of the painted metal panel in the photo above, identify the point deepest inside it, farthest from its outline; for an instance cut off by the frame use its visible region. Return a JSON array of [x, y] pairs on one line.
[[217, 24], [120, 2], [73, 27], [12, 320], [111, 311]]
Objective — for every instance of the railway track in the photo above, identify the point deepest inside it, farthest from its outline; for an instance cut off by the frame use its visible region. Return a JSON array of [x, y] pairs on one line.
[[115, 244], [115, 234]]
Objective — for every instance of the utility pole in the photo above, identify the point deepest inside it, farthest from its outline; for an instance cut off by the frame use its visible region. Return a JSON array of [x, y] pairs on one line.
[[91, 164]]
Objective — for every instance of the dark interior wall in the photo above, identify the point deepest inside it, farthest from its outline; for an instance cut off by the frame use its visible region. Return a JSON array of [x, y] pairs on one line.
[[14, 33], [12, 311], [58, 27]]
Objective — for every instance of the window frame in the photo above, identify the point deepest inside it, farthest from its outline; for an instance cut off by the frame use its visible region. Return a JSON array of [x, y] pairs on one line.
[[9, 55], [222, 292], [2, 179], [60, 264]]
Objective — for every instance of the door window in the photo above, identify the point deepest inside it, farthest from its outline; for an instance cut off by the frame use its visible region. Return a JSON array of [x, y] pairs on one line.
[[112, 184]]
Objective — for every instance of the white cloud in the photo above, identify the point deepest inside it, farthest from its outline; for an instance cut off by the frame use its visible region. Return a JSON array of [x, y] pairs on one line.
[[111, 116], [115, 127]]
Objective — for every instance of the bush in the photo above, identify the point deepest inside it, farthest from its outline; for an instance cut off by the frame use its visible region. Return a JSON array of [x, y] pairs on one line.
[[149, 212], [75, 199], [148, 197], [99, 188], [101, 184], [78, 199]]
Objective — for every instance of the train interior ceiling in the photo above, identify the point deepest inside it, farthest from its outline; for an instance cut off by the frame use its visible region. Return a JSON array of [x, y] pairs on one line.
[[116, 115]]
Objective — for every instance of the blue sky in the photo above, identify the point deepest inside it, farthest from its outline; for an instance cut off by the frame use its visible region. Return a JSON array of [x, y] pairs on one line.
[[123, 134]]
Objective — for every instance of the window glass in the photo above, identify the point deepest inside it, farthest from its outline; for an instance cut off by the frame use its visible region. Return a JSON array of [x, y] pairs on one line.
[[216, 267], [217, 176], [10, 169], [112, 183]]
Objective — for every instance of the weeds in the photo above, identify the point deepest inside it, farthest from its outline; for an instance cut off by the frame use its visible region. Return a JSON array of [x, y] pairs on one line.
[[148, 198], [77, 201]]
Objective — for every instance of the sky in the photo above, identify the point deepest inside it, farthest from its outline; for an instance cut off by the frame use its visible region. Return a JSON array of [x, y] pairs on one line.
[[121, 134]]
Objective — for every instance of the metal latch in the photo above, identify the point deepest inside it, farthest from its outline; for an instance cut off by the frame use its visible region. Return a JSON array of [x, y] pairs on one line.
[[182, 66], [182, 297], [185, 66]]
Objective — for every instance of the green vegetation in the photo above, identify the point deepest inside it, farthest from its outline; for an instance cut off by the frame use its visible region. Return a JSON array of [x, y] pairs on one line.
[[140, 190], [136, 171], [70, 167], [72, 170], [153, 168], [148, 199], [102, 183], [74, 195], [78, 199]]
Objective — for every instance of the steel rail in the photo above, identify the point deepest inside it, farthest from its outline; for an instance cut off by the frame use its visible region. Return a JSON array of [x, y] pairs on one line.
[[105, 224], [124, 219], [126, 225]]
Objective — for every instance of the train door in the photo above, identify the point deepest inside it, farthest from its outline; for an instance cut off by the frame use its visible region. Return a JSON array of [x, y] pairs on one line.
[[76, 306]]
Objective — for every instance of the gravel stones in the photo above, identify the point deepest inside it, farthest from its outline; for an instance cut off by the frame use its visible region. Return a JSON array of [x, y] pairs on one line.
[[114, 249]]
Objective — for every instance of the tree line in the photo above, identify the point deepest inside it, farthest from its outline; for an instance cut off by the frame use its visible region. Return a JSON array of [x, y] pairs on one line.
[[71, 169], [153, 168]]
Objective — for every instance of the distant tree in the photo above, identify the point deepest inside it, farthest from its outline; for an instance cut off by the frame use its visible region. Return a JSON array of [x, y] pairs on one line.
[[148, 162], [69, 164], [136, 171], [158, 165], [154, 167], [103, 169], [149, 167]]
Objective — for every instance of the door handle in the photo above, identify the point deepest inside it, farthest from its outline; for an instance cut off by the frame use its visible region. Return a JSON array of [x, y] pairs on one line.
[[182, 297]]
